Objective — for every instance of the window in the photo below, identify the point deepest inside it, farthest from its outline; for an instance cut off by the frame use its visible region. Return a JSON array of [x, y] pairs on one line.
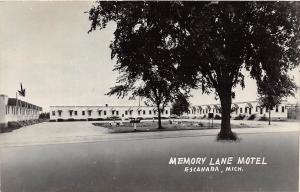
[[104, 112], [261, 111], [53, 113], [250, 111], [99, 112], [71, 112], [144, 112], [75, 112], [139, 112], [83, 112], [256, 109], [113, 112], [150, 112], [282, 109], [241, 110], [59, 113], [90, 112], [130, 112], [276, 110], [166, 111], [126, 112], [246, 109], [117, 112]]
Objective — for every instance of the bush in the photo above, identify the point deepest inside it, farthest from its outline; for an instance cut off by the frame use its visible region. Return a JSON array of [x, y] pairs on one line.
[[252, 117], [239, 117], [218, 117], [60, 120], [263, 118]]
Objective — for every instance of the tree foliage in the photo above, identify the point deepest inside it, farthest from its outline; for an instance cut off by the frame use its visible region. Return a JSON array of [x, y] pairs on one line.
[[180, 105]]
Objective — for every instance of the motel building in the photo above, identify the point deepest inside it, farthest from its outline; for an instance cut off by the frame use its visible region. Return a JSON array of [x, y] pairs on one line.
[[70, 113], [12, 109], [250, 110]]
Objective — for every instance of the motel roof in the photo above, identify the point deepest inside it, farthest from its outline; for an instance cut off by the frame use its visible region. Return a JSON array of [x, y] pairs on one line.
[[15, 102]]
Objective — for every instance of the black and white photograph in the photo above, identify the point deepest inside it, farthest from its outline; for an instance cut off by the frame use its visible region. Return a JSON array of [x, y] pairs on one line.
[[149, 96]]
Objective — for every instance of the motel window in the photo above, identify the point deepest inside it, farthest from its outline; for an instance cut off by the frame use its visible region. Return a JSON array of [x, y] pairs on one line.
[[261, 111], [130, 112], [276, 110], [250, 111], [144, 112], [117, 112], [59, 113], [90, 112], [166, 111], [83, 113], [99, 112], [71, 112], [53, 113], [139, 112], [282, 109], [149, 112], [246, 109], [162, 112], [126, 112], [241, 110], [75, 112], [104, 112], [256, 109], [113, 112]]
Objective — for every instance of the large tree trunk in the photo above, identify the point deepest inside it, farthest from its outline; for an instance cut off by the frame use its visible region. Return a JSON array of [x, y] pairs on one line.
[[269, 115], [225, 132], [159, 118]]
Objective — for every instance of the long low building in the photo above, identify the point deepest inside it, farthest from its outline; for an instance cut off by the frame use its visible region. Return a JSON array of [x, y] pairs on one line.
[[12, 109], [58, 113], [242, 110]]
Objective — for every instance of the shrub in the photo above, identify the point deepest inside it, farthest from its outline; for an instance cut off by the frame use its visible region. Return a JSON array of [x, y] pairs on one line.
[[60, 120], [252, 117], [218, 117], [263, 118], [239, 117]]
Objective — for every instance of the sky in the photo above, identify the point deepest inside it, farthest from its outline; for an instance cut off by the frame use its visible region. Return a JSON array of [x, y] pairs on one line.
[[45, 45]]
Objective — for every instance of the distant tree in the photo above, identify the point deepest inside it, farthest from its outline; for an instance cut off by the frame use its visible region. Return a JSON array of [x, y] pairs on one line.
[[180, 105], [44, 116], [146, 59], [209, 43], [272, 89]]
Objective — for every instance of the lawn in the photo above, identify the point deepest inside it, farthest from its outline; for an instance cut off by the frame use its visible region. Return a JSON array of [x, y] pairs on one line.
[[151, 126]]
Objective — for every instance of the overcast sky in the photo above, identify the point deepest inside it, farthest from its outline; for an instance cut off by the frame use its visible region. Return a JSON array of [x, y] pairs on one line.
[[45, 46]]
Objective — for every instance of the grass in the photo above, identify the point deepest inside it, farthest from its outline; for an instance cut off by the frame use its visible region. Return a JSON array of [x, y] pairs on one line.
[[150, 126]]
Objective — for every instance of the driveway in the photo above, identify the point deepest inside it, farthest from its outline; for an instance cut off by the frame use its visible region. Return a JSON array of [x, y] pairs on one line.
[[52, 132]]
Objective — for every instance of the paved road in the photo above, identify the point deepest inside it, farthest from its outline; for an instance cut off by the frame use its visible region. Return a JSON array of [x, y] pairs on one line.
[[140, 161]]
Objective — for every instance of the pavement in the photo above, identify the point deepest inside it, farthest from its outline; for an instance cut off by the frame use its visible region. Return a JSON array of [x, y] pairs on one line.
[[77, 156], [83, 131]]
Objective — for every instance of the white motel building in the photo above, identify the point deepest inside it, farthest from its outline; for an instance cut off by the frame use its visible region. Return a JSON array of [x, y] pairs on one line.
[[244, 109], [58, 113], [12, 109]]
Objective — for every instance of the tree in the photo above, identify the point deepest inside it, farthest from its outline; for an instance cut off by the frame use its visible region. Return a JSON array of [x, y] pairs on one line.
[[211, 44], [144, 52], [180, 105], [226, 37], [272, 89]]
